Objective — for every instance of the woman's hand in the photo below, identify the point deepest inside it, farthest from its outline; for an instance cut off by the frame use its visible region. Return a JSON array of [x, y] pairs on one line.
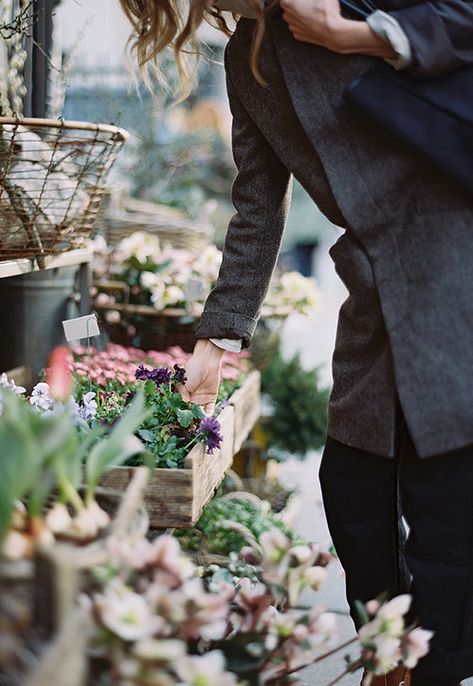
[[203, 372], [320, 22], [314, 21]]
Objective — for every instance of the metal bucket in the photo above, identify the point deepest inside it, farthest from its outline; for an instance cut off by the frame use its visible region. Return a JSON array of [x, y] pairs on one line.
[[32, 307]]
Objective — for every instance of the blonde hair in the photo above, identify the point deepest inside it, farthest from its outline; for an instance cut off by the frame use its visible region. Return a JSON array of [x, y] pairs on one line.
[[159, 24]]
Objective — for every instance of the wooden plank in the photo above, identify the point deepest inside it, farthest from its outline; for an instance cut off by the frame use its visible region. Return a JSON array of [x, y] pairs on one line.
[[209, 470], [246, 401], [25, 266]]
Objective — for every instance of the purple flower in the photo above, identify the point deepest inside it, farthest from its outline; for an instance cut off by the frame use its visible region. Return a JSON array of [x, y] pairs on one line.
[[159, 376], [179, 374], [211, 428], [141, 373]]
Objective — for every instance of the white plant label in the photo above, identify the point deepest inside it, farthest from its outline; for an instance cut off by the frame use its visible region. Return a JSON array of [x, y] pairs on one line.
[[81, 327]]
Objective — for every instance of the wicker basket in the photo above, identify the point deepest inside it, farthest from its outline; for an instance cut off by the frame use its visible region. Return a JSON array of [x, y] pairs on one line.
[[169, 224], [52, 179]]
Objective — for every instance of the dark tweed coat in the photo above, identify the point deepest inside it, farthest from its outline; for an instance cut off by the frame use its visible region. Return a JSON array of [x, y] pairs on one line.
[[406, 330]]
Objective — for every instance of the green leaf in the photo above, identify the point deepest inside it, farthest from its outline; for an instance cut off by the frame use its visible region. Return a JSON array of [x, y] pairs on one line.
[[198, 411], [118, 446], [147, 436], [184, 417], [150, 388], [361, 612]]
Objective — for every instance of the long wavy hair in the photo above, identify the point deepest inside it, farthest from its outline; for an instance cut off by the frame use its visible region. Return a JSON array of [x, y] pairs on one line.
[[160, 24]]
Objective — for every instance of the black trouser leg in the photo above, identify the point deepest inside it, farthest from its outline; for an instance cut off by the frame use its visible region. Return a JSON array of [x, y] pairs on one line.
[[437, 500], [359, 490]]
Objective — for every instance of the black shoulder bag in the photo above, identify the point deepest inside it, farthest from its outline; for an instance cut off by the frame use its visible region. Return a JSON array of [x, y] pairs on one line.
[[433, 115]]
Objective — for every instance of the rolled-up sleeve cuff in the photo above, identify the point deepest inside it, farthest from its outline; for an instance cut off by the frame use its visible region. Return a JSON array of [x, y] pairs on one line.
[[226, 325], [389, 29], [233, 346]]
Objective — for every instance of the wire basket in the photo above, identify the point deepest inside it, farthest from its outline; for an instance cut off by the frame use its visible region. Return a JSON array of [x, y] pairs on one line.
[[52, 179], [168, 223]]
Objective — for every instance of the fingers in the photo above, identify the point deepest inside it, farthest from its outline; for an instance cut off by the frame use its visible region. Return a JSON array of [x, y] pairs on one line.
[[209, 408]]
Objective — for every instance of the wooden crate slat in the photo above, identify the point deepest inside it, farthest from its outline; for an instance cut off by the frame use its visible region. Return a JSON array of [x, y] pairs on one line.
[[246, 401]]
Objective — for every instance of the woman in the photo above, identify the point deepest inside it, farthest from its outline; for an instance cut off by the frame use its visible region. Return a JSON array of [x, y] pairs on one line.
[[401, 410]]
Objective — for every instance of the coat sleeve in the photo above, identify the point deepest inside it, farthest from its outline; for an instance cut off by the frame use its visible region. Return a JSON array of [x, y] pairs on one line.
[[260, 195], [440, 34]]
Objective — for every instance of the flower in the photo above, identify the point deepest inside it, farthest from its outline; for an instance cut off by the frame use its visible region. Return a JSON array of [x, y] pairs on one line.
[[141, 373], [88, 409], [252, 600], [172, 567], [160, 650], [205, 670], [210, 428], [179, 374], [295, 290], [143, 246], [41, 397], [159, 376], [416, 645], [208, 263], [11, 385], [58, 374], [126, 613]]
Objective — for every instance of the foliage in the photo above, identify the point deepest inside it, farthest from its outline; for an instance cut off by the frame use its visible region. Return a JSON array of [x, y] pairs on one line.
[[299, 420], [42, 460], [217, 526], [161, 620], [184, 171]]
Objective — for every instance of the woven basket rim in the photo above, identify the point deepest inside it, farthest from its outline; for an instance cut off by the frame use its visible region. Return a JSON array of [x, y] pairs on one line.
[[66, 124]]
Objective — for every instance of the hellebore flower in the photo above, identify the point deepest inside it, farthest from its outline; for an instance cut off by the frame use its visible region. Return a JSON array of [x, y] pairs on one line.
[[416, 646], [179, 374], [210, 427]]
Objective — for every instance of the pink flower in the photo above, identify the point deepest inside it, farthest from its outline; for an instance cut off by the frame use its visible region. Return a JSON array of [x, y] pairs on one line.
[[416, 646]]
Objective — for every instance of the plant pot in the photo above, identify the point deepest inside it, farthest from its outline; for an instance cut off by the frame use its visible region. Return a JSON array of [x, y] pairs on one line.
[[177, 497]]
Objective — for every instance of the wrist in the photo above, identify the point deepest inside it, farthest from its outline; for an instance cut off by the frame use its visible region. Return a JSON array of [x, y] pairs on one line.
[[205, 348], [356, 37]]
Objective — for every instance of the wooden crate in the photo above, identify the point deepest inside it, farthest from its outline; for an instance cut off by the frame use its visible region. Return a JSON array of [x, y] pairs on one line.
[[177, 497], [246, 401]]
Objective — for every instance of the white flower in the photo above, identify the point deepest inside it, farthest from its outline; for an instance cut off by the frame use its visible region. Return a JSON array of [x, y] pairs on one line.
[[112, 317], [388, 653], [389, 620], [88, 408], [315, 576], [155, 283], [11, 385], [416, 645], [208, 263], [160, 650], [41, 398], [143, 246], [294, 290], [205, 670], [126, 613], [173, 295]]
